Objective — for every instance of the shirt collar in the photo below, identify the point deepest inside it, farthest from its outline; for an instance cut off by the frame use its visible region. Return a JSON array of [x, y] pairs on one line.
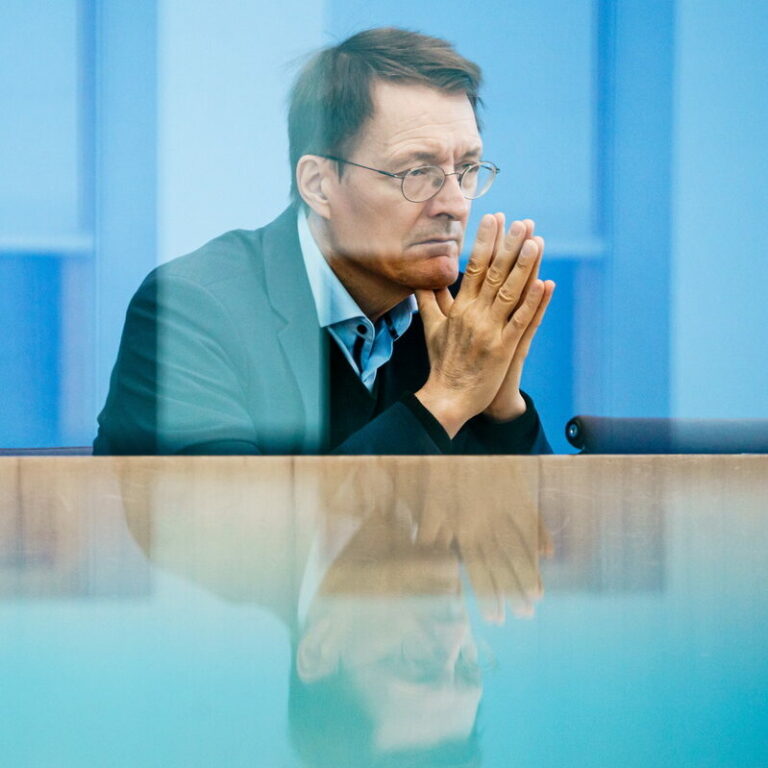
[[333, 302]]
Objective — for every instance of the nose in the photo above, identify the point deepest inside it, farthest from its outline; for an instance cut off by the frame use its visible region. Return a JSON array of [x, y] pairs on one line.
[[450, 201], [449, 639]]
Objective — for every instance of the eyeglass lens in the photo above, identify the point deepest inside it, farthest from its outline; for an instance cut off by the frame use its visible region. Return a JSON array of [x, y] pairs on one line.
[[421, 184]]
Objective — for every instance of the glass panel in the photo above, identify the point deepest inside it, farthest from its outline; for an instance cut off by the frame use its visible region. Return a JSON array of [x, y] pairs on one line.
[[390, 611]]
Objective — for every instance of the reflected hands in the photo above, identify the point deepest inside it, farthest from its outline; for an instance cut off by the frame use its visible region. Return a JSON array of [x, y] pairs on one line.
[[499, 542]]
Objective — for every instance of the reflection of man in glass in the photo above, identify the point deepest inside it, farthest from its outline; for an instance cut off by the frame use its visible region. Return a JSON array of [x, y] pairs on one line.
[[362, 563], [386, 667], [304, 336]]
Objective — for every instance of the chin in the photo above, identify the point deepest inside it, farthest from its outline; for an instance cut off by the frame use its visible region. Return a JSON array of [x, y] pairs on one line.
[[438, 273]]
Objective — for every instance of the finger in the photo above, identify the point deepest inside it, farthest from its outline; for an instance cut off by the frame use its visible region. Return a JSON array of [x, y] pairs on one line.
[[429, 309], [482, 253], [428, 527], [505, 577], [438, 538], [530, 226], [520, 600], [525, 576], [444, 300], [525, 342], [444, 538], [524, 314], [535, 272], [503, 262], [512, 293], [518, 555], [501, 229], [489, 601], [546, 544]]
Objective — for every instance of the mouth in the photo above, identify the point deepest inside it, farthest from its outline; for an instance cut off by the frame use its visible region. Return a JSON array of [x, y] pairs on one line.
[[437, 241]]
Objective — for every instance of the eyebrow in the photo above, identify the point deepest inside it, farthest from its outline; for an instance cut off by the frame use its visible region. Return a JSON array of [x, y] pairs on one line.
[[432, 157]]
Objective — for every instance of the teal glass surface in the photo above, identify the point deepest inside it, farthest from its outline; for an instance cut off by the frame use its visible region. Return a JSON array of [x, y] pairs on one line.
[[494, 611]]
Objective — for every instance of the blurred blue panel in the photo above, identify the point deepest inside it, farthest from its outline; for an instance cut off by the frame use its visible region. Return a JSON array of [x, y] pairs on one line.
[[224, 71], [29, 319], [125, 55], [636, 120], [720, 313], [39, 117]]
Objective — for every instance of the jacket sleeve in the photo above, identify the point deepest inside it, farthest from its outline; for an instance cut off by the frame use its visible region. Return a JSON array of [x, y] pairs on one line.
[[406, 428], [523, 435]]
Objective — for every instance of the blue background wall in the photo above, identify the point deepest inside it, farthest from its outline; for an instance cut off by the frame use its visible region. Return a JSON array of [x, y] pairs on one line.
[[131, 132]]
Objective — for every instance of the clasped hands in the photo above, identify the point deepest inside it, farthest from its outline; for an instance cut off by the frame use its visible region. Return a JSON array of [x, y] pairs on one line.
[[478, 341]]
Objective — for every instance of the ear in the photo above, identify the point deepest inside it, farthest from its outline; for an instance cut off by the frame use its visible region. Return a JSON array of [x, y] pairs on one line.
[[317, 655], [313, 179]]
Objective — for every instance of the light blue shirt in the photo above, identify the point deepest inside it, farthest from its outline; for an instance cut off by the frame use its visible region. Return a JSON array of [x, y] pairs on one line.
[[365, 345]]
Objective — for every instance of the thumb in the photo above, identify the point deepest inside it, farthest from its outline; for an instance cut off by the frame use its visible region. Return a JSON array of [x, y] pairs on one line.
[[444, 301], [430, 311]]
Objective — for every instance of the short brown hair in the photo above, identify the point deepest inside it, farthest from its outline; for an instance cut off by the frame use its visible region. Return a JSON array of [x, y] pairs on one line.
[[331, 98]]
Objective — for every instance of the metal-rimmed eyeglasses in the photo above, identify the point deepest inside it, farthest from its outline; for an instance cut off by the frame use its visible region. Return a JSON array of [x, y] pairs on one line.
[[422, 183]]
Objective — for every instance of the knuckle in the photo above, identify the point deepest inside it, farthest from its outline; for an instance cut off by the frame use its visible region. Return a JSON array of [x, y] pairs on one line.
[[473, 269], [506, 295], [518, 322], [494, 277]]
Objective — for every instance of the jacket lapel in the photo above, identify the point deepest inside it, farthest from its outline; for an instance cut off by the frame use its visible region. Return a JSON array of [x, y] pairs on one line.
[[301, 338]]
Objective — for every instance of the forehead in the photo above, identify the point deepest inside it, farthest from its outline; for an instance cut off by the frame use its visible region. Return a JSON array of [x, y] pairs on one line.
[[416, 119]]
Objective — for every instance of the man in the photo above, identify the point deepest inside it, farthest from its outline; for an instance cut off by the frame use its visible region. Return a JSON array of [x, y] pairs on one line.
[[302, 336]]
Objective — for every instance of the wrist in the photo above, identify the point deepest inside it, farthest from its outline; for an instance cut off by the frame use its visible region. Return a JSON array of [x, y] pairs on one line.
[[507, 411], [443, 407]]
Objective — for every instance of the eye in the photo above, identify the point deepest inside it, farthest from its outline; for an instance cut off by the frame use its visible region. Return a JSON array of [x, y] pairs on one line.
[[421, 171]]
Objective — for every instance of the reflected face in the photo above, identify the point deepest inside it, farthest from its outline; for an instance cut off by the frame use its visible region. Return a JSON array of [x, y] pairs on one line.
[[413, 664], [372, 227]]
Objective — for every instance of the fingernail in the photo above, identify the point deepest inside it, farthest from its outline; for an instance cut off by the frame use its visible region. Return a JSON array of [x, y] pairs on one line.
[[516, 228]]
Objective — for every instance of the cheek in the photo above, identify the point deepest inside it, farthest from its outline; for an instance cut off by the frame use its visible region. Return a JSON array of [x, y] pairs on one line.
[[380, 226]]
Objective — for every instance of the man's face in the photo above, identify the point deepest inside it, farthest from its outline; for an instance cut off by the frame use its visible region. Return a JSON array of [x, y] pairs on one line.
[[372, 227], [411, 660]]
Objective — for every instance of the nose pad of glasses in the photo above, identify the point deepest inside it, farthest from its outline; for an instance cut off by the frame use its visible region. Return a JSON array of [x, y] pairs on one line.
[[445, 179]]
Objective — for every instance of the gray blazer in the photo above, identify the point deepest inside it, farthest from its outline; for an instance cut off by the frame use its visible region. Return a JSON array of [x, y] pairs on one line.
[[221, 353]]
